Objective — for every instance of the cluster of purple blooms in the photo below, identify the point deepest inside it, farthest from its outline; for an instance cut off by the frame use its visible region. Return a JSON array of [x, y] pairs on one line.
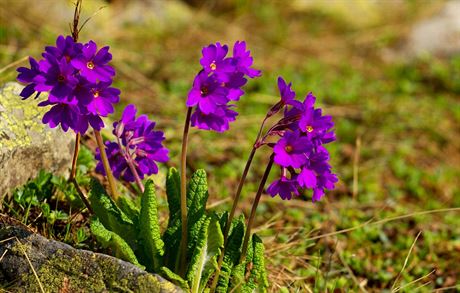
[[137, 144], [78, 79], [299, 152], [218, 84]]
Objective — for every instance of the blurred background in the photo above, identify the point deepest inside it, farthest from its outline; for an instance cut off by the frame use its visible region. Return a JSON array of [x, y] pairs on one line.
[[387, 71]]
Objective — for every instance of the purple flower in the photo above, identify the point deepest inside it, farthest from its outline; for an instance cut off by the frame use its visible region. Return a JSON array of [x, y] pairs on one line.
[[58, 78], [214, 60], [138, 145], [242, 60], [29, 75], [218, 85], [291, 149], [104, 97], [283, 187], [117, 162], [218, 121], [311, 122], [93, 65], [78, 80], [65, 48], [207, 93], [66, 114], [303, 131]]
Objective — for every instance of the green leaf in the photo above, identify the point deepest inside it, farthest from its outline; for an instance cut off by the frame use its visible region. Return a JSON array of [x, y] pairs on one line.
[[149, 234], [129, 208], [232, 253], [251, 275], [197, 196], [238, 278], [259, 272], [174, 278], [171, 239], [203, 262], [173, 194], [172, 235], [110, 215], [110, 239]]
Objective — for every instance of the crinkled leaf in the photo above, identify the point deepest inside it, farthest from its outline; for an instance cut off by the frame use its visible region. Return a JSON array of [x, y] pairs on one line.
[[197, 196], [238, 278], [251, 275], [172, 235], [232, 253], [128, 206], [149, 228], [110, 215], [111, 239], [203, 262], [174, 278], [173, 194], [171, 239]]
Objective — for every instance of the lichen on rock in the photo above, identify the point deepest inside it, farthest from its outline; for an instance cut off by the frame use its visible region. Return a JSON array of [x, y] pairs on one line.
[[26, 144]]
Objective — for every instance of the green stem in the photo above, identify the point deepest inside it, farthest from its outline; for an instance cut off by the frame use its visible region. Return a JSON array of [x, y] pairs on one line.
[[235, 203], [254, 208], [183, 193], [105, 163]]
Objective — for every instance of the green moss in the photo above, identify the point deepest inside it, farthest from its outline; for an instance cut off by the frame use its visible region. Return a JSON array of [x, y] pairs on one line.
[[94, 274]]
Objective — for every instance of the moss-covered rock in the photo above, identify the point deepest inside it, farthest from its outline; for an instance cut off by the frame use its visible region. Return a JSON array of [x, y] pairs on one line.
[[26, 144], [62, 268]]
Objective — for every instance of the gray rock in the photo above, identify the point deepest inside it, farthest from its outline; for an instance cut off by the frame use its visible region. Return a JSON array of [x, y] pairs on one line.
[[62, 268], [438, 35], [26, 144]]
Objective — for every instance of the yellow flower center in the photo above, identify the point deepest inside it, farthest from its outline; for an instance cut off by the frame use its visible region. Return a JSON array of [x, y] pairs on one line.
[[288, 148], [213, 66], [90, 65], [309, 128], [96, 94]]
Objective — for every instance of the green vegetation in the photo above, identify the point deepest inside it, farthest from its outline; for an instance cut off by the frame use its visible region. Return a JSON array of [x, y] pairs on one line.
[[404, 113]]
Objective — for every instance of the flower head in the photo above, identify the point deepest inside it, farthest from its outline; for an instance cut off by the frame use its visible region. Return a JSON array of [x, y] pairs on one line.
[[78, 80], [138, 147], [299, 150], [218, 84]]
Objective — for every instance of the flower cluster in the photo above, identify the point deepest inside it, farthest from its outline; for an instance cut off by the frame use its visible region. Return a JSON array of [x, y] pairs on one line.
[[299, 151], [78, 79], [219, 83], [137, 148]]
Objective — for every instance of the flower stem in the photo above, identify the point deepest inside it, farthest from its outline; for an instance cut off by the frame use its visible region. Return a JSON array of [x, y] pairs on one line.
[[254, 208], [183, 193], [235, 203], [135, 174], [105, 163], [129, 161], [73, 171]]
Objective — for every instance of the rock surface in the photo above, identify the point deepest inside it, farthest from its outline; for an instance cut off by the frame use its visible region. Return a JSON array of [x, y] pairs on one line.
[[438, 35], [62, 268], [26, 144]]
